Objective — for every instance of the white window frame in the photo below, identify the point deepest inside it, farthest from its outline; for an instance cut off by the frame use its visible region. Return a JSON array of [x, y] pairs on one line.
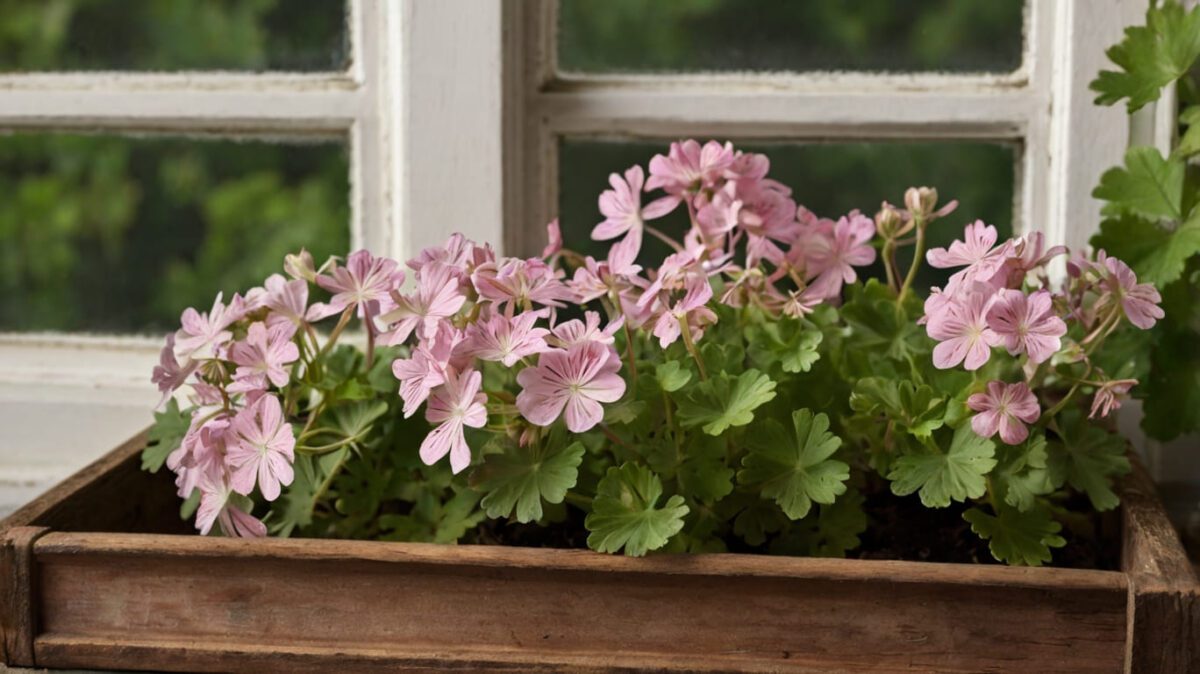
[[420, 72], [1044, 105]]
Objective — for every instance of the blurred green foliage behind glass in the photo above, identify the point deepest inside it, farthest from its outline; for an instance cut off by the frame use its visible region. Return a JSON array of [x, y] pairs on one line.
[[304, 35], [830, 179], [797, 35], [112, 234]]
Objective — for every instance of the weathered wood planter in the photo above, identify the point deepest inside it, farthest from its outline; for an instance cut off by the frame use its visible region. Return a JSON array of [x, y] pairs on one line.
[[96, 574]]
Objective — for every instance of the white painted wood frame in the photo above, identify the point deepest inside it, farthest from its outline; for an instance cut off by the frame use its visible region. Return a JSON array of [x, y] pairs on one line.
[[419, 105], [1044, 106]]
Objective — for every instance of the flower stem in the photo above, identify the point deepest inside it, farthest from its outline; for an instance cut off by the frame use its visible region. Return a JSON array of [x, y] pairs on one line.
[[664, 238], [686, 331], [578, 500], [889, 264], [370, 323], [629, 353], [918, 253]]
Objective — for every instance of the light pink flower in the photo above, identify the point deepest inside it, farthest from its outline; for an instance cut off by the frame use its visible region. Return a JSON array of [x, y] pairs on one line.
[[832, 260], [263, 450], [622, 209], [578, 380], [216, 506], [554, 240], [201, 453], [960, 324], [506, 340], [454, 405], [692, 309], [1109, 396], [365, 282], [264, 355], [287, 300], [520, 284], [975, 252], [722, 214], [426, 368], [458, 253], [1139, 301], [687, 166], [438, 297], [1002, 408], [202, 335], [574, 331], [169, 375], [1027, 324]]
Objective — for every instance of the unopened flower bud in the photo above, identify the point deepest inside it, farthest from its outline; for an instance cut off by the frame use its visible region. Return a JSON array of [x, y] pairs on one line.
[[300, 266], [890, 222], [921, 201]]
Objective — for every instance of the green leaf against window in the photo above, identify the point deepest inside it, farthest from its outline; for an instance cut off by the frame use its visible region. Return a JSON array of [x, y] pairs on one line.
[[520, 478], [1151, 56], [942, 477], [1088, 458], [725, 400], [1021, 475], [914, 408], [1149, 186], [1021, 538], [1173, 388], [170, 425], [1189, 143], [793, 466], [625, 512]]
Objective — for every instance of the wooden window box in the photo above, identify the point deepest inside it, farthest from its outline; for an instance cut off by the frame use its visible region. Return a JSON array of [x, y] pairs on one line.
[[100, 573]]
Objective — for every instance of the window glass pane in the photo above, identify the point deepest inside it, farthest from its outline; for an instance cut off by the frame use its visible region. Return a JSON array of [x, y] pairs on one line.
[[801, 35], [40, 35], [829, 179], [113, 234]]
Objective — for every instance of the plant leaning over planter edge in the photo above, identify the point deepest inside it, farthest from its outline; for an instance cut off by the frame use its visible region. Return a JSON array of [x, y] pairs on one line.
[[741, 392], [1151, 219]]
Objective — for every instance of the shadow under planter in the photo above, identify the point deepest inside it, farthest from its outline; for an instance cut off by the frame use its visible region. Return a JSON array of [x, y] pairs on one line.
[[100, 573]]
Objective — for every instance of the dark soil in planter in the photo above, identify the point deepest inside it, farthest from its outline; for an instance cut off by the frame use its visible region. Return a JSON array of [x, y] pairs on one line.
[[898, 528]]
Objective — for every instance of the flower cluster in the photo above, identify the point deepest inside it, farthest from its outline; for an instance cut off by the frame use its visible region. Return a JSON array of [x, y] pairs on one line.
[[991, 302], [483, 380]]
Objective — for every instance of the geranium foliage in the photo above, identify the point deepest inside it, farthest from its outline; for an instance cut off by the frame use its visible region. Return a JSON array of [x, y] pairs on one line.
[[737, 394]]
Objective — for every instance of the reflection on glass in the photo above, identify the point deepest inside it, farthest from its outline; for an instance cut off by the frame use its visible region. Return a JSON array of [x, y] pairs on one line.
[[38, 35], [802, 35], [114, 234], [828, 178]]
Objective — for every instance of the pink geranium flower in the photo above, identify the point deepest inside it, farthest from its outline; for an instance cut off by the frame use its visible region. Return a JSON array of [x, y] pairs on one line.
[[453, 406], [1002, 408], [263, 450], [554, 240], [264, 355], [975, 252], [576, 380], [692, 309], [521, 284], [831, 260], [287, 300], [622, 209], [960, 324], [1027, 324], [1109, 396], [687, 166], [574, 331], [364, 282], [426, 368], [438, 297], [1139, 301], [169, 375], [506, 340], [216, 505], [201, 335]]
